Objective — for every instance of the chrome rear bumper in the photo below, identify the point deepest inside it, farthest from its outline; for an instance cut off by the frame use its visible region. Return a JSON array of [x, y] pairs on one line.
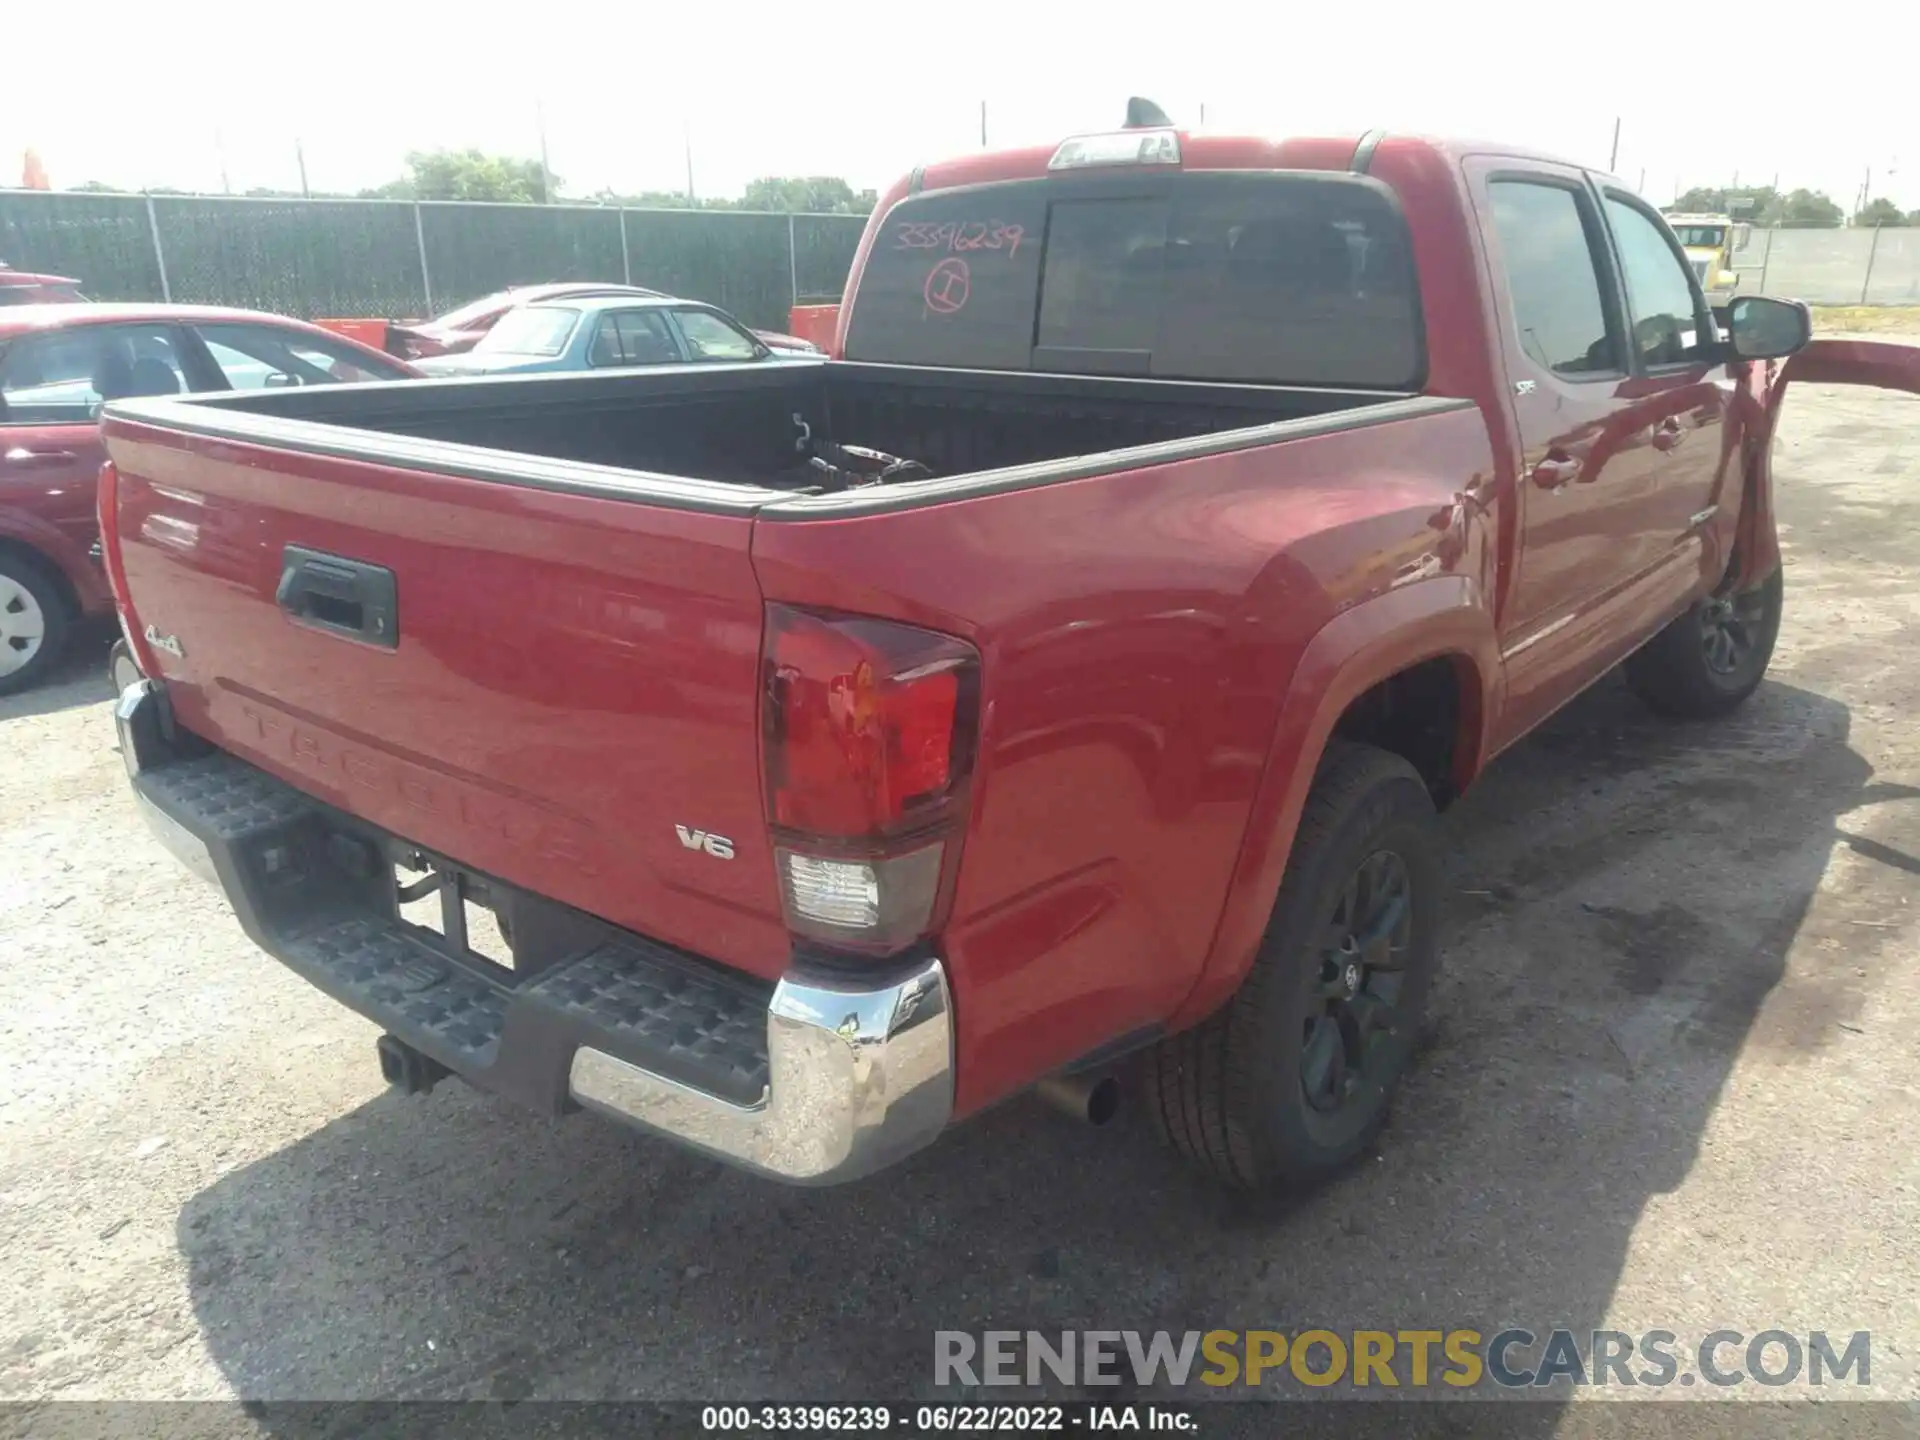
[[859, 1076]]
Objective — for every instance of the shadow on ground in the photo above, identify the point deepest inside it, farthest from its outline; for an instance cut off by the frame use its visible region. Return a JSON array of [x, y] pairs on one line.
[[79, 679], [1624, 893]]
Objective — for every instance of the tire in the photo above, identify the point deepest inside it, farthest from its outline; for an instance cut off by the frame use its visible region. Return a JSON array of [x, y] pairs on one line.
[[1232, 1094], [34, 623], [1713, 656], [122, 668]]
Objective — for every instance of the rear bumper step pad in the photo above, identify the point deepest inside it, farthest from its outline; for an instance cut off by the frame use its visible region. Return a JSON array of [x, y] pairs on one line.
[[817, 1079]]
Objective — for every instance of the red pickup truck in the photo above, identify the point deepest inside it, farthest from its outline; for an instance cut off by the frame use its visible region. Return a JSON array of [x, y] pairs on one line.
[[1070, 674]]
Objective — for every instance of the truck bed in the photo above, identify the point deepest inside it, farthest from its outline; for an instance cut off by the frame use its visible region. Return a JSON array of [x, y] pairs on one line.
[[755, 425]]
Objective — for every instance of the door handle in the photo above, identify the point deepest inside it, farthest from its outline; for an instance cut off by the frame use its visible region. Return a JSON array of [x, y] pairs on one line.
[[1667, 435], [334, 593], [20, 455], [1556, 469]]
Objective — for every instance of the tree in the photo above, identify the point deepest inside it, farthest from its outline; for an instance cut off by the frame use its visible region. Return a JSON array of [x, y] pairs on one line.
[[1704, 200], [661, 200], [1810, 210], [1880, 212], [1762, 205], [812, 195], [1755, 204], [468, 175], [98, 187]]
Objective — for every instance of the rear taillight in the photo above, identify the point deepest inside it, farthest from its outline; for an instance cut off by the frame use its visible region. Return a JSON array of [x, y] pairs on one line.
[[869, 729]]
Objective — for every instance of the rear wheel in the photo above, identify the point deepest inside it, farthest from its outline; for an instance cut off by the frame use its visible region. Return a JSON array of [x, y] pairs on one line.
[[1714, 655], [122, 668], [34, 621], [1293, 1076]]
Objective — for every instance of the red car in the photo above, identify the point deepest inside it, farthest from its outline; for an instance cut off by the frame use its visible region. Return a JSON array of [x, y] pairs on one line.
[[18, 287], [458, 331], [1072, 672], [58, 364]]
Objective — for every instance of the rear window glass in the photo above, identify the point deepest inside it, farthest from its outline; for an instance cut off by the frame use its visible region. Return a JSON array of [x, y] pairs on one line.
[[531, 330], [474, 310], [1257, 278]]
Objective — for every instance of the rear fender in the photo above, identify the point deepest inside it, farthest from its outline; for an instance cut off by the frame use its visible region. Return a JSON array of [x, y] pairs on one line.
[[1878, 363], [1353, 652], [21, 530]]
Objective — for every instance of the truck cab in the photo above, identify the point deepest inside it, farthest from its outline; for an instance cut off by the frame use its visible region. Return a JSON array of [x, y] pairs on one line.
[[1710, 242]]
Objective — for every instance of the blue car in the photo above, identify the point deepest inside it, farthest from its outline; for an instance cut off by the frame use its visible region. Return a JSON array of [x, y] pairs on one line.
[[605, 332]]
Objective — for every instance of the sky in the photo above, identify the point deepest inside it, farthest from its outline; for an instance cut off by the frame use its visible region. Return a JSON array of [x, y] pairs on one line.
[[198, 95]]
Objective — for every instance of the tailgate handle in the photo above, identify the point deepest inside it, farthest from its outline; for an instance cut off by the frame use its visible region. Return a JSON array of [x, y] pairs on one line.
[[346, 597]]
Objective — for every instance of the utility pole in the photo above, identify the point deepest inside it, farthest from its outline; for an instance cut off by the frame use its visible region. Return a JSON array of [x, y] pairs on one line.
[[1613, 157], [220, 147], [546, 175], [1203, 113], [688, 134], [300, 154], [1641, 188], [983, 124]]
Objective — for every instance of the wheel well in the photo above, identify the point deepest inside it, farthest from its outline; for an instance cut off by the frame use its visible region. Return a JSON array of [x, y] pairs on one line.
[[1419, 714], [19, 550]]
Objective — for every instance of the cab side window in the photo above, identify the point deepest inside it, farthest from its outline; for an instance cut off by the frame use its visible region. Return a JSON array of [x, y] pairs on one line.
[[1668, 328], [711, 338], [1553, 278], [256, 357], [633, 337], [63, 377]]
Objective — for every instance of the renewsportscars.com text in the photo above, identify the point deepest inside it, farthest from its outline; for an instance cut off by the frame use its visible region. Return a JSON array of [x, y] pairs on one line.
[[1412, 1359]]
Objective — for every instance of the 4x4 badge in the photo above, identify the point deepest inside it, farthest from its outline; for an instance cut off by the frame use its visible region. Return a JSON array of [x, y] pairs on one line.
[[165, 642]]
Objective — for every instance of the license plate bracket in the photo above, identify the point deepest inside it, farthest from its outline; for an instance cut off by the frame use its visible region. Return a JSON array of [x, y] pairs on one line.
[[452, 909]]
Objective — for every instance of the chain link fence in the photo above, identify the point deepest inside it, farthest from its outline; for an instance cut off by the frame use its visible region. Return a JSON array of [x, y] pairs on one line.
[[393, 258], [293, 257], [107, 240], [1833, 267], [400, 260]]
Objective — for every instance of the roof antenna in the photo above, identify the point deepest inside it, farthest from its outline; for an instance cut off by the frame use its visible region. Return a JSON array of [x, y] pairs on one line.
[[1143, 114]]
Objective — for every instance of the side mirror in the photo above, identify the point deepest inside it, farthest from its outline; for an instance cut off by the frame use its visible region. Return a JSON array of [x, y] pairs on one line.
[[1760, 328], [280, 380]]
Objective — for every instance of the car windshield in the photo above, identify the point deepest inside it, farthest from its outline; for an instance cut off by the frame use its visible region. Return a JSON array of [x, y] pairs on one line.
[[1699, 236], [531, 330]]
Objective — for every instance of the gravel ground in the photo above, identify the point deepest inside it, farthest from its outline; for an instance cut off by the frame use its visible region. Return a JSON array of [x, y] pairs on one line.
[[1670, 1084]]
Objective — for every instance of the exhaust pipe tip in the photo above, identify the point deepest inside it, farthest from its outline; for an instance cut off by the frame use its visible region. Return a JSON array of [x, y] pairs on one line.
[[406, 1069], [1092, 1099]]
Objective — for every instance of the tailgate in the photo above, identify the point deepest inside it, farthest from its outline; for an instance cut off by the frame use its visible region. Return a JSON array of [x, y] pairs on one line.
[[556, 688]]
